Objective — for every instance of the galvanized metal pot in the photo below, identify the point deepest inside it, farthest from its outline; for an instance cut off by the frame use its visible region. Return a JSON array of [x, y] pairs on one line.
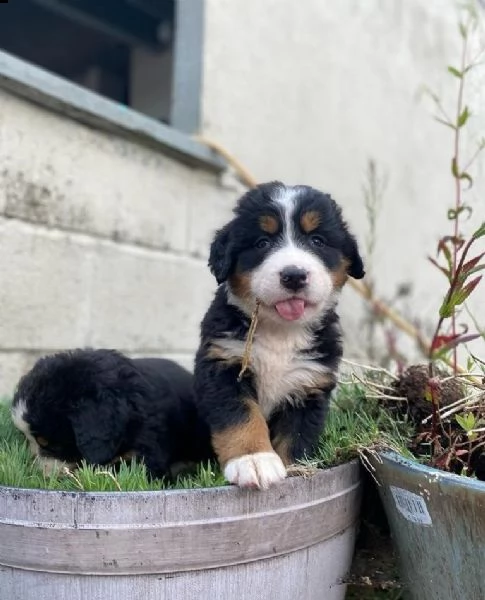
[[437, 522], [293, 541]]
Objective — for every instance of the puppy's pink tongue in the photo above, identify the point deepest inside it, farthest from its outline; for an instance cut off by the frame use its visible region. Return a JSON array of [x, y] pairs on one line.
[[291, 309]]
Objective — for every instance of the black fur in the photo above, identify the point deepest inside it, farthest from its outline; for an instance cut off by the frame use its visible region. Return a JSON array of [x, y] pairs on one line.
[[217, 390], [99, 405]]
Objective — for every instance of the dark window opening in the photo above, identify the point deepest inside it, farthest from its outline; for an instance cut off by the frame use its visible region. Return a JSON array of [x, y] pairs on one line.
[[121, 49]]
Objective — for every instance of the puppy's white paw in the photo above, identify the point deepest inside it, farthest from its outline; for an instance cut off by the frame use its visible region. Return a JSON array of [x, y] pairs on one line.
[[259, 470]]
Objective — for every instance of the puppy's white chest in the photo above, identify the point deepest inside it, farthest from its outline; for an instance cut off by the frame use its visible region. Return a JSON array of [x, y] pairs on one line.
[[281, 370]]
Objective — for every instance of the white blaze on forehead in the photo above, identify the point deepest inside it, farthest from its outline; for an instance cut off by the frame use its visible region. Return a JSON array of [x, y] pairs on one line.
[[285, 199]]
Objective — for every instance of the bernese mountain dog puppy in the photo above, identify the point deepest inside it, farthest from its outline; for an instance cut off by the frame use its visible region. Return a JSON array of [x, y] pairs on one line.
[[284, 258], [101, 406]]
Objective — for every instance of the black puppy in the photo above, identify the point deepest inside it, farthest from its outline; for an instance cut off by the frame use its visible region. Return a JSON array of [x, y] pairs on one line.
[[288, 251], [100, 406]]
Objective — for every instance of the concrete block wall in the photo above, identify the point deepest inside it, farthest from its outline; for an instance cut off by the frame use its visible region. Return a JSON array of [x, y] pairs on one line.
[[103, 241]]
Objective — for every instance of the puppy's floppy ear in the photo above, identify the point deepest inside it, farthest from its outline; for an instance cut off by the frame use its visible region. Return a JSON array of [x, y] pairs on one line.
[[351, 253], [99, 425], [221, 256]]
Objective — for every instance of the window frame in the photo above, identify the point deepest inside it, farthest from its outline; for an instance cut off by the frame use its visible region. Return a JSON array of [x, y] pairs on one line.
[[76, 102]]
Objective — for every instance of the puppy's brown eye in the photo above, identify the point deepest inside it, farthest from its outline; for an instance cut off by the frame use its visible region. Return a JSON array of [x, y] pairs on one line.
[[262, 243], [43, 443], [317, 240]]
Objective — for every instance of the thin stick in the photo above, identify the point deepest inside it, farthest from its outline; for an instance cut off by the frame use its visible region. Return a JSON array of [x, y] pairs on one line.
[[386, 397], [369, 385], [368, 465], [472, 396], [450, 409], [466, 375], [480, 430], [369, 368], [249, 342], [376, 386], [383, 309], [470, 404], [242, 173]]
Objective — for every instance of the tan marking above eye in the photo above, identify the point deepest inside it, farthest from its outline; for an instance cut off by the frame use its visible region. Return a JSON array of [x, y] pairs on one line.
[[269, 224], [310, 220], [43, 443]]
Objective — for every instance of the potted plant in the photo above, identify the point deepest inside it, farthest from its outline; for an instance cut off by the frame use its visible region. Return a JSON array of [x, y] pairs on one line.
[[435, 502], [101, 533]]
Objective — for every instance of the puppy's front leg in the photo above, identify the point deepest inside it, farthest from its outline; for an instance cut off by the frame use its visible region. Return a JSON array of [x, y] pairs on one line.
[[240, 435], [296, 429], [244, 450]]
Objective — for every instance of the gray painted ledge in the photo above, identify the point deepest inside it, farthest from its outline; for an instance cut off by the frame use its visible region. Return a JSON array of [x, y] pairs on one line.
[[66, 98]]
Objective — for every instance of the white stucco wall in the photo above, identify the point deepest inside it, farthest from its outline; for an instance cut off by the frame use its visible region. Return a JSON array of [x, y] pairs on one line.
[[103, 242], [308, 92]]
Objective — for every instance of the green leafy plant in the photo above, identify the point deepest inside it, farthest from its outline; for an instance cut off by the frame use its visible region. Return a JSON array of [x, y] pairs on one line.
[[455, 255], [460, 270], [445, 401]]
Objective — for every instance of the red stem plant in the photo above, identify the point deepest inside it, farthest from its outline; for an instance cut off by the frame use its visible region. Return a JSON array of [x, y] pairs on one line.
[[459, 269]]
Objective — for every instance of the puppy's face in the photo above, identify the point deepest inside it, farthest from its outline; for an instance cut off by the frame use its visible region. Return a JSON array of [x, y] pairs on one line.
[[39, 415], [289, 248], [50, 436]]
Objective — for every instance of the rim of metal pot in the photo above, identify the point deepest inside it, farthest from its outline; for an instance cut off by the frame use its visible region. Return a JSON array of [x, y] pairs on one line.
[[436, 474]]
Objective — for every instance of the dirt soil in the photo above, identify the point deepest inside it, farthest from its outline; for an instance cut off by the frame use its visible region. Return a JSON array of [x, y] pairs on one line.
[[374, 573]]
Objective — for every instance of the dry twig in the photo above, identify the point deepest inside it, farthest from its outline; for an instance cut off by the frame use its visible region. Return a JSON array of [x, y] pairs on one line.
[[246, 360]]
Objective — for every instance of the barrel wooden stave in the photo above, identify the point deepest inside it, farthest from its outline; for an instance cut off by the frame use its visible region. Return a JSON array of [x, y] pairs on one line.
[[295, 540]]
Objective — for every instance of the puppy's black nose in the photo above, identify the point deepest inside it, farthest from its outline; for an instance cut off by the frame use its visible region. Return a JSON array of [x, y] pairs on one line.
[[293, 278]]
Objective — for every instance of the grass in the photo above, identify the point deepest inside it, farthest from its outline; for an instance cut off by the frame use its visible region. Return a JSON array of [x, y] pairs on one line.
[[354, 424], [19, 469]]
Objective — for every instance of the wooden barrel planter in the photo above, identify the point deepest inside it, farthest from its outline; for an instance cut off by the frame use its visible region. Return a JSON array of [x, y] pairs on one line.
[[293, 541]]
